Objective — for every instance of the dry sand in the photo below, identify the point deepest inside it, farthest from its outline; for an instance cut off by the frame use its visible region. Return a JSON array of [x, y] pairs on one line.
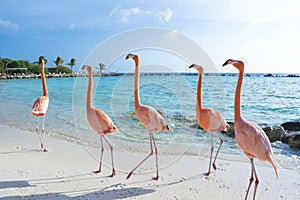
[[65, 173]]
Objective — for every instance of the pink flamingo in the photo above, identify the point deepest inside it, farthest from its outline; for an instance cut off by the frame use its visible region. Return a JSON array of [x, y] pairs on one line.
[[40, 107], [248, 135], [210, 120], [148, 116], [99, 121]]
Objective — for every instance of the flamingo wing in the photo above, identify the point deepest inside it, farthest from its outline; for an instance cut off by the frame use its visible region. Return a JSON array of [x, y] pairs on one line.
[[40, 106], [150, 118], [211, 120], [101, 122], [254, 142]]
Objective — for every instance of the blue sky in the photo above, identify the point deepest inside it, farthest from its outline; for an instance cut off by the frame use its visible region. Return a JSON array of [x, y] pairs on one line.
[[264, 34]]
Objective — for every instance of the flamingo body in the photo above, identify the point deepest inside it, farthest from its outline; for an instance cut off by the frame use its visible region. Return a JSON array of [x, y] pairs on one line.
[[99, 121], [148, 116], [40, 106], [254, 142], [210, 120], [248, 135]]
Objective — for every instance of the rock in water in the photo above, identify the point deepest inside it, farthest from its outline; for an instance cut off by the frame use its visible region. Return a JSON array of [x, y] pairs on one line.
[[273, 133], [292, 139], [291, 126], [230, 130]]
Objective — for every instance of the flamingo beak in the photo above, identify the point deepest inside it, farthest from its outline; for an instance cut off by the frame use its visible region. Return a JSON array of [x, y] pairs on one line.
[[129, 56], [227, 62], [191, 66], [84, 67]]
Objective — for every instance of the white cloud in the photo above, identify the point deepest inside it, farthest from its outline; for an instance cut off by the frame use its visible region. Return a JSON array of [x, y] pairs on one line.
[[165, 15], [7, 25], [124, 14]]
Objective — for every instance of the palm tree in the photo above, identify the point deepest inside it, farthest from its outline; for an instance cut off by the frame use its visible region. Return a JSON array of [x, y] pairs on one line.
[[42, 58], [72, 63], [58, 62], [102, 67]]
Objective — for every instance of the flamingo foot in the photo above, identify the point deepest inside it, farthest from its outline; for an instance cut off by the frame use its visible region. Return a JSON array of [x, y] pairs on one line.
[[113, 173], [155, 178], [206, 174], [129, 175], [43, 148], [97, 171], [214, 166]]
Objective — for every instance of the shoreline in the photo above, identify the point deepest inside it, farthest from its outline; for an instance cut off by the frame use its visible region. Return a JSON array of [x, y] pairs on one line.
[[80, 74], [65, 172]]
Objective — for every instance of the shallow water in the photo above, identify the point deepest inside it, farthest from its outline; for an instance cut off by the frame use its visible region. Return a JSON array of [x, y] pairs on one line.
[[270, 100]]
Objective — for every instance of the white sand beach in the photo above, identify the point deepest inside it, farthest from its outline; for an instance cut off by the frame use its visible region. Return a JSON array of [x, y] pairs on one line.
[[65, 172]]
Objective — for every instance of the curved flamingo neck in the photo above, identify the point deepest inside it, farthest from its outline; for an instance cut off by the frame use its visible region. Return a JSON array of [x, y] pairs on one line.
[[238, 92], [44, 83], [137, 102], [89, 101], [199, 92]]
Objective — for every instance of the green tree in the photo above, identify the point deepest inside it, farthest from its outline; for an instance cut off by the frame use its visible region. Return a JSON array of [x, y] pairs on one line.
[[42, 58], [6, 61], [72, 63], [59, 61], [102, 67], [2, 68]]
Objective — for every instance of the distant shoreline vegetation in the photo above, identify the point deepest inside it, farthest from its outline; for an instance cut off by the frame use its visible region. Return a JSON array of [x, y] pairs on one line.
[[81, 74], [11, 67], [23, 69]]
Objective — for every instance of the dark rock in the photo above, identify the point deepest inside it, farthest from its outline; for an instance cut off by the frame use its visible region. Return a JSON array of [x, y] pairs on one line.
[[292, 139], [230, 130], [273, 133], [291, 126], [268, 75]]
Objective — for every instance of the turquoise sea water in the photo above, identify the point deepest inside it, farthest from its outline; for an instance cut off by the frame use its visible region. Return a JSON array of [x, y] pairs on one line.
[[265, 100]]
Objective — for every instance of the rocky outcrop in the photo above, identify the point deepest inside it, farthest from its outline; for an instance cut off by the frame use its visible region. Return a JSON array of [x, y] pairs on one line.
[[291, 126], [274, 133], [292, 139], [230, 130]]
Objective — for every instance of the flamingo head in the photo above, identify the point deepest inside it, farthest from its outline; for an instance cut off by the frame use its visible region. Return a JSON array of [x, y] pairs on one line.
[[238, 64], [197, 67], [133, 56], [89, 68]]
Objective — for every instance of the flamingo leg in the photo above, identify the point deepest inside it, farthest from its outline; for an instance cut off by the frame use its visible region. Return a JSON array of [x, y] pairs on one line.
[[221, 142], [112, 157], [256, 179], [156, 157], [251, 178], [211, 152], [150, 154], [101, 155], [43, 135], [37, 131]]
